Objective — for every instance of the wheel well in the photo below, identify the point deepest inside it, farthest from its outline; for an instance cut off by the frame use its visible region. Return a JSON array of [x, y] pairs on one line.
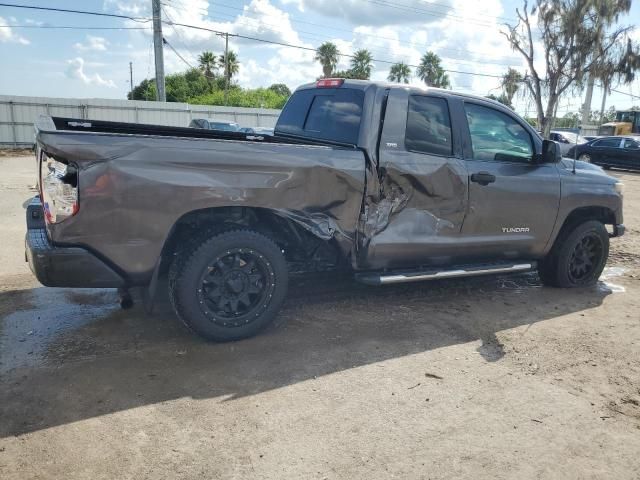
[[582, 214], [303, 251], [579, 215]]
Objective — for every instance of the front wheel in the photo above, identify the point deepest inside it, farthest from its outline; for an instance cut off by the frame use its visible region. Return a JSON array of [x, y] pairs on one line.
[[230, 286], [578, 257], [585, 157]]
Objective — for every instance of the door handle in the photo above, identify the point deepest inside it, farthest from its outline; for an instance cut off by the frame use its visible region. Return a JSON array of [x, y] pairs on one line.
[[483, 178]]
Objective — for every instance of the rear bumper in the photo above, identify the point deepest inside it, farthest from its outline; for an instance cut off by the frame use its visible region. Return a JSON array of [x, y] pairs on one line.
[[56, 266]]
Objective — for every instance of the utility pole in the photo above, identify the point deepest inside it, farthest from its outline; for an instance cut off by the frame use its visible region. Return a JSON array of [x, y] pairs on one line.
[[131, 80], [226, 68], [157, 48], [586, 107]]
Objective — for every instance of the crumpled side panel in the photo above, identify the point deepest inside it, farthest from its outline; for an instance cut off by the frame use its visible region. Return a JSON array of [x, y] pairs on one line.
[[422, 203], [133, 189]]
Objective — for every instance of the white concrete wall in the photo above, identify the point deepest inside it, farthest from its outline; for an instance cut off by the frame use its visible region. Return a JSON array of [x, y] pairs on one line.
[[17, 114]]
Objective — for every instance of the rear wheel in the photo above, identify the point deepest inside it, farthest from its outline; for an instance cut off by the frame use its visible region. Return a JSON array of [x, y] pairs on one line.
[[231, 286], [585, 157], [578, 256]]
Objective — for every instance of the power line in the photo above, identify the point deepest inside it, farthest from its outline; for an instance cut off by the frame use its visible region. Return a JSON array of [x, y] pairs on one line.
[[624, 93], [218, 32], [311, 49], [175, 30], [74, 27], [294, 20], [166, 42], [325, 37], [84, 12], [411, 9], [448, 6]]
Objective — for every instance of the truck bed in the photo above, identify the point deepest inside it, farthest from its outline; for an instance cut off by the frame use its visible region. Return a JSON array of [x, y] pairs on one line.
[[124, 128]]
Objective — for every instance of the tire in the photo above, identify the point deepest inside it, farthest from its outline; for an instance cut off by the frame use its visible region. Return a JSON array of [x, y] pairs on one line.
[[585, 157], [230, 286], [577, 257]]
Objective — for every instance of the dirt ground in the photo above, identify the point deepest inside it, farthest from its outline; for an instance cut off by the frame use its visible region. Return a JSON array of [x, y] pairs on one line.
[[494, 377]]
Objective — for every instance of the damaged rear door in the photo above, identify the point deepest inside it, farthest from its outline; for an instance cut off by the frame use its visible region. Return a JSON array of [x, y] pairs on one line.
[[417, 215]]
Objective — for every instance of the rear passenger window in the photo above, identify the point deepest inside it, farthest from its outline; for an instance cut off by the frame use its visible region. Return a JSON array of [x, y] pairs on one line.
[[428, 126], [326, 114]]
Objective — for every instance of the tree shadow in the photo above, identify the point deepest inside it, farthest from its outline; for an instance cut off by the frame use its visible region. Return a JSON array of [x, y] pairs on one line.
[[71, 355]]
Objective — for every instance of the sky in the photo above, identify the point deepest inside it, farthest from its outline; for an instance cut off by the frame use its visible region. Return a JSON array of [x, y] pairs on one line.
[[92, 59]]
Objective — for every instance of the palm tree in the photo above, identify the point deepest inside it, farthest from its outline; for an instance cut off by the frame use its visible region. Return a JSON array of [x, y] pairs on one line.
[[207, 64], [327, 55], [399, 72], [510, 84], [234, 65], [361, 64], [431, 72]]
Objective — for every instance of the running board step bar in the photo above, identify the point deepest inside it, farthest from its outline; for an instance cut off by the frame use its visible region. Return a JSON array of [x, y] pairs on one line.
[[388, 278]]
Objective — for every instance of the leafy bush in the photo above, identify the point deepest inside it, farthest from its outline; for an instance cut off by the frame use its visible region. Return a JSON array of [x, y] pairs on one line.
[[238, 97], [193, 87]]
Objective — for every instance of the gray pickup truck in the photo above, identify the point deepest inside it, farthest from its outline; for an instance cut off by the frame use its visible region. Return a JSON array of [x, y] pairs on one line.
[[393, 183]]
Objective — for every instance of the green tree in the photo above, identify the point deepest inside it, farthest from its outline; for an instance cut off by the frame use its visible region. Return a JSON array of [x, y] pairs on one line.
[[179, 87], [327, 54], [574, 37], [361, 65], [502, 99], [510, 83], [207, 64], [430, 71], [400, 73], [281, 89], [182, 86], [234, 64], [145, 90], [239, 97]]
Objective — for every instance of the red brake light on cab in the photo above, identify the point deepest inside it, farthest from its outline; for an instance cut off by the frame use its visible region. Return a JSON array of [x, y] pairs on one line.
[[330, 82]]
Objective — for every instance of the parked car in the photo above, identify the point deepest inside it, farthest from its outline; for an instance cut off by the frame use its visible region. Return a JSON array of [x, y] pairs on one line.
[[621, 152], [257, 130], [392, 183], [566, 140], [214, 125]]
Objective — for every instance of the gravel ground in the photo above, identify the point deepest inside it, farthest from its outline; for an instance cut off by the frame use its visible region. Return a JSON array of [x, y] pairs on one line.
[[494, 377]]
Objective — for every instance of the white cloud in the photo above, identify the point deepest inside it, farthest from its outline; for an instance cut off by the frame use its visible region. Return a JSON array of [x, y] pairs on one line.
[[75, 70], [359, 12], [7, 35], [93, 44], [465, 35]]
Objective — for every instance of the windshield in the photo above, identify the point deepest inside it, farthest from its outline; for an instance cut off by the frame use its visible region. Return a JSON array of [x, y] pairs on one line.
[[627, 117]]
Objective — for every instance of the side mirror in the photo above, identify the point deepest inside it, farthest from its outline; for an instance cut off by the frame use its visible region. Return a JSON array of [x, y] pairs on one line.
[[551, 152]]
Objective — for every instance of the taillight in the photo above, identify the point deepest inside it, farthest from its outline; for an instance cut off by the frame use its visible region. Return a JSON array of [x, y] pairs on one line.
[[330, 82], [59, 189]]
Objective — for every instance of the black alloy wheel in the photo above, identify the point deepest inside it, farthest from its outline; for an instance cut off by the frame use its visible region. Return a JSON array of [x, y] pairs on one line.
[[236, 286], [230, 285], [585, 258]]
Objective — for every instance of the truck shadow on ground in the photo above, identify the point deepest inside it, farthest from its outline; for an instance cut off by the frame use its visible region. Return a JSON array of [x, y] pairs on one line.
[[72, 355]]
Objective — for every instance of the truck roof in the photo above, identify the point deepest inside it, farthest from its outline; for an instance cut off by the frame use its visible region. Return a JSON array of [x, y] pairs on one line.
[[364, 84]]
